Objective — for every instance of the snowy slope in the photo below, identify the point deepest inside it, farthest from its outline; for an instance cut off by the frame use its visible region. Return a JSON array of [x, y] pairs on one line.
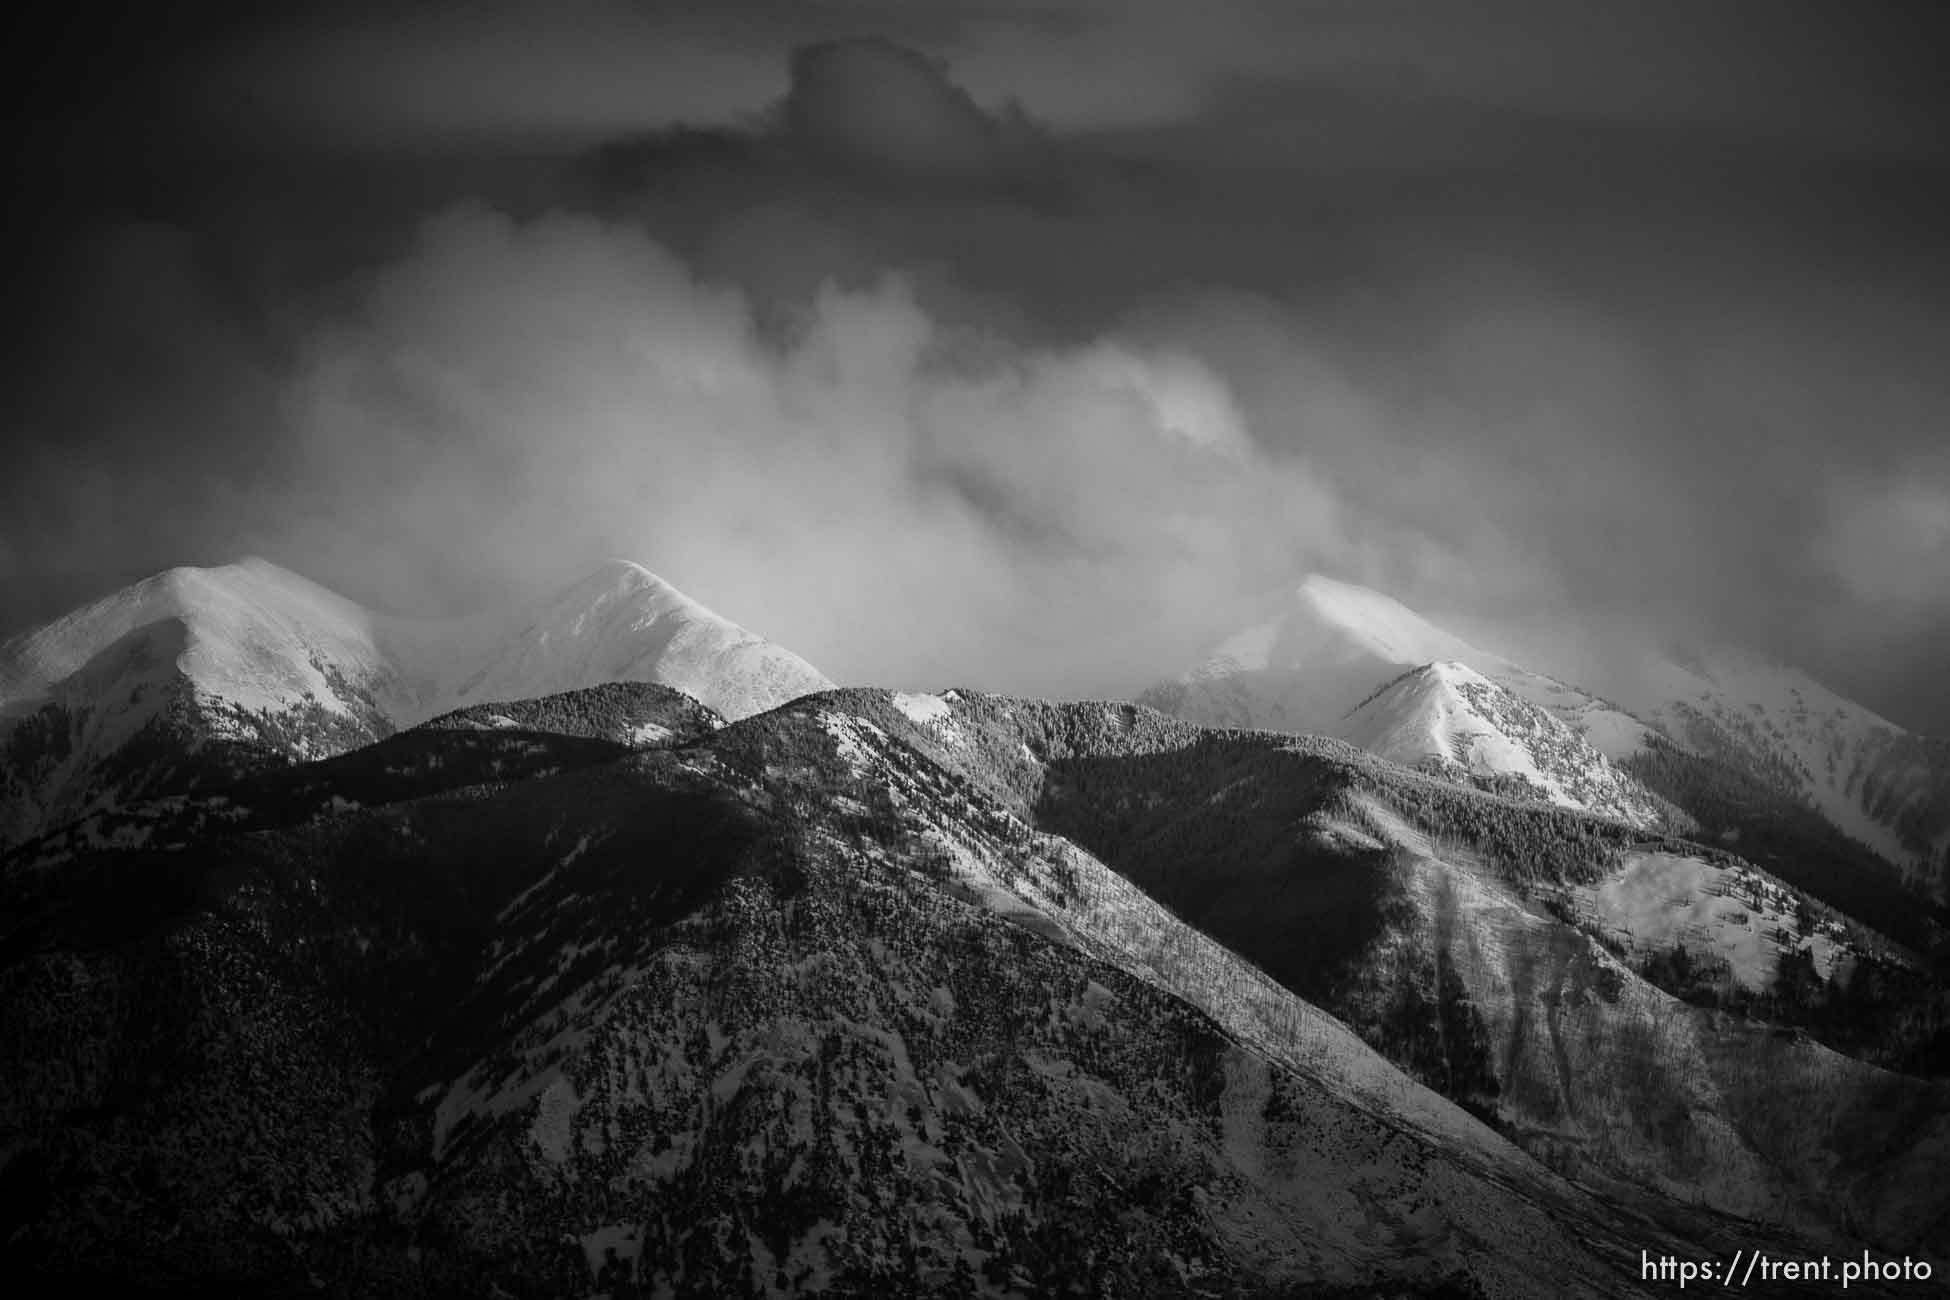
[[1598, 1071], [254, 663], [1874, 781], [1335, 644], [1446, 716], [1724, 910]]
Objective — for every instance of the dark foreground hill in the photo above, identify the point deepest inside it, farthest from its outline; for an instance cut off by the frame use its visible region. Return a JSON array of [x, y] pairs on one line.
[[806, 1004]]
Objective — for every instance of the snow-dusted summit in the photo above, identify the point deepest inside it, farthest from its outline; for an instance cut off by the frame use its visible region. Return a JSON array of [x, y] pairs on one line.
[[1333, 645], [1320, 668], [250, 633], [624, 623], [225, 667], [1449, 718]]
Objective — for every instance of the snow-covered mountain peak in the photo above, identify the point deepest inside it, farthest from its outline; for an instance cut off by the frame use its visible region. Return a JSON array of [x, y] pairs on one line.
[[618, 579], [252, 632], [619, 595], [1454, 673], [624, 623], [1333, 645], [1448, 717]]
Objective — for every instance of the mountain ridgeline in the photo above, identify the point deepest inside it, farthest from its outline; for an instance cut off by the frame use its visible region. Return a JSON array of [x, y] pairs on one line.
[[197, 676], [875, 994], [603, 988], [789, 1007], [1341, 660]]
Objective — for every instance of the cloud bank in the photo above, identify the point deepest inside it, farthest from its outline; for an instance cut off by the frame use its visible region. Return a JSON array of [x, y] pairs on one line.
[[513, 397], [934, 390]]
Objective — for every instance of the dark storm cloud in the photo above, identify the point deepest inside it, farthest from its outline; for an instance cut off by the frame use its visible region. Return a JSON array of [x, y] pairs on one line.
[[884, 109], [1023, 346], [505, 398]]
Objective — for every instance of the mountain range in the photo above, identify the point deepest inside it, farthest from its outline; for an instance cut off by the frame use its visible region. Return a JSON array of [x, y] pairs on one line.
[[234, 667], [603, 948], [1329, 661]]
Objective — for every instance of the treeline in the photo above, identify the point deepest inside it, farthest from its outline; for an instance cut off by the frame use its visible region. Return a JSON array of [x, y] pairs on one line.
[[239, 787], [40, 740], [173, 752], [1530, 844], [1775, 830]]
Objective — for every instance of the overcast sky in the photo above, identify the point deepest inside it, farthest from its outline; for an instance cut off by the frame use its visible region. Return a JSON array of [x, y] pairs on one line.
[[1027, 346]]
